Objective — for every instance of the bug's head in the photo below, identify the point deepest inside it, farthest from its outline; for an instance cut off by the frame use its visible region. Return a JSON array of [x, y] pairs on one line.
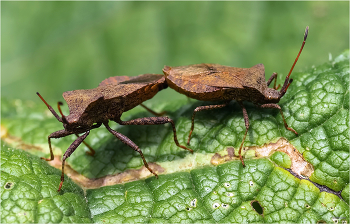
[[69, 123], [271, 96]]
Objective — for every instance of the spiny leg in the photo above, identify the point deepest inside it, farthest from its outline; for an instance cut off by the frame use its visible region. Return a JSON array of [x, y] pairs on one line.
[[246, 121], [131, 144], [273, 105], [273, 77], [154, 121], [56, 134], [152, 111], [209, 107], [69, 151]]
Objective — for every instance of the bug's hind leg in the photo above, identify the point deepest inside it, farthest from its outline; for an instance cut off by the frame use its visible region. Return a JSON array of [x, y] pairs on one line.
[[131, 144], [154, 121]]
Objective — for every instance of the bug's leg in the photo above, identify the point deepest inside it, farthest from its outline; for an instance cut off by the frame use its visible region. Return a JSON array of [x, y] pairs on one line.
[[154, 121], [209, 107], [57, 134], [273, 77], [152, 111], [92, 151], [273, 105], [69, 152], [246, 121], [131, 144]]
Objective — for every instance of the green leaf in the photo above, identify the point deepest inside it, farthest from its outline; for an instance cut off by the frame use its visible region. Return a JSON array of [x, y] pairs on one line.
[[215, 195], [302, 178], [29, 192]]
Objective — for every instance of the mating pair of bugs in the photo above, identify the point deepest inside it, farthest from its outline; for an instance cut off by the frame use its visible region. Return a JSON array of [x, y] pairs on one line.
[[89, 109]]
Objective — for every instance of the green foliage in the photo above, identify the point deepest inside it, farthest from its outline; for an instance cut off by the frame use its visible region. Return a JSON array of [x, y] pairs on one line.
[[50, 49], [29, 192], [261, 192]]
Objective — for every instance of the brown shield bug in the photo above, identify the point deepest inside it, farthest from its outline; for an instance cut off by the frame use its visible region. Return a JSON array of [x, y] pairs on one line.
[[213, 82], [89, 109]]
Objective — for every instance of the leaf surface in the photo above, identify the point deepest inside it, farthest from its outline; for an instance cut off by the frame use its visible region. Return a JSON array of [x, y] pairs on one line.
[[209, 186]]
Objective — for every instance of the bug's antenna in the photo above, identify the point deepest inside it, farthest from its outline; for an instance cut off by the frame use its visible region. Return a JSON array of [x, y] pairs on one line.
[[59, 104], [50, 108], [287, 81]]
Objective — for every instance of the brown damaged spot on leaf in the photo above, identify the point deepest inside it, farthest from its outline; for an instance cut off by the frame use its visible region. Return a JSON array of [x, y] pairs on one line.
[[16, 142], [298, 166], [219, 159], [124, 177]]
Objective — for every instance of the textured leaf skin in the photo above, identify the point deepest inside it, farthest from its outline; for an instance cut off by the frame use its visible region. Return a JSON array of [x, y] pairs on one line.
[[29, 192], [316, 105], [281, 159], [345, 193], [218, 194]]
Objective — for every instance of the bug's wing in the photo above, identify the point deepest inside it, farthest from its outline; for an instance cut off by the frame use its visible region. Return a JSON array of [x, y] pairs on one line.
[[203, 75], [145, 78], [114, 80], [217, 75], [141, 84]]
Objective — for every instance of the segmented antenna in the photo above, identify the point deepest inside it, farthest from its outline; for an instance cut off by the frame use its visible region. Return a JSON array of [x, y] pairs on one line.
[[50, 108], [287, 81]]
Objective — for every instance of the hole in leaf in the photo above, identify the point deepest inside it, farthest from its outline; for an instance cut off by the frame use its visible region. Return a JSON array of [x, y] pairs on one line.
[[224, 205], [257, 207], [321, 221], [307, 206], [229, 194], [9, 185], [335, 220], [216, 205], [194, 202]]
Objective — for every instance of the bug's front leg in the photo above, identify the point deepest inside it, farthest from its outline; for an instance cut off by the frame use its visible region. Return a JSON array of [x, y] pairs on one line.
[[131, 144], [154, 121], [273, 77], [276, 106], [209, 107], [56, 134], [69, 152], [92, 151], [246, 122]]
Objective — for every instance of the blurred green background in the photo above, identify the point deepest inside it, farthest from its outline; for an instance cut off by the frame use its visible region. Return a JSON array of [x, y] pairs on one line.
[[52, 47]]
